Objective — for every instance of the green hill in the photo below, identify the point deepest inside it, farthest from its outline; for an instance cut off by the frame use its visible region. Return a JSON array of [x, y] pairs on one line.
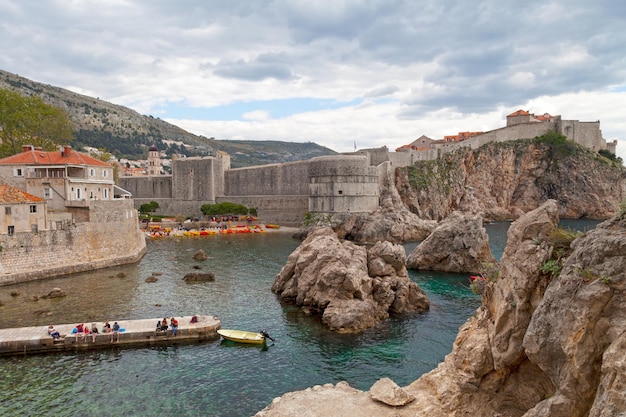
[[128, 134]]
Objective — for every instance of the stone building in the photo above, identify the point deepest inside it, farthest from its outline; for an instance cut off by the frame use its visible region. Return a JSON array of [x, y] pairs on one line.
[[59, 215], [66, 179], [21, 212], [520, 124]]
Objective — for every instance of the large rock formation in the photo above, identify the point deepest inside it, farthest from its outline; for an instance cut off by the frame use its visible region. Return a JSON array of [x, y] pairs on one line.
[[504, 180], [538, 345], [352, 287], [459, 244]]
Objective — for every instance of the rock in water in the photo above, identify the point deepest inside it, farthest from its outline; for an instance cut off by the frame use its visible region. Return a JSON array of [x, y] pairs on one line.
[[351, 287], [200, 256], [199, 277], [459, 244]]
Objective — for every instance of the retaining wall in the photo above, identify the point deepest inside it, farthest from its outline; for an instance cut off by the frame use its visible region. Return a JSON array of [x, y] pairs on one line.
[[79, 247]]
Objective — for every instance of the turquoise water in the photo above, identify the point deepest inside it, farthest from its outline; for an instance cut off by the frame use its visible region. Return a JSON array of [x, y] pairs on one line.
[[214, 378]]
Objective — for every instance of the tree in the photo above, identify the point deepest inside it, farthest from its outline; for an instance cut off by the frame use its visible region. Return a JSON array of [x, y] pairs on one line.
[[148, 208], [221, 209], [30, 121]]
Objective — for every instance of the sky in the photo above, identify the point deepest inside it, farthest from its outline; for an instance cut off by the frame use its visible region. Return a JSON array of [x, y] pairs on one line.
[[340, 73]]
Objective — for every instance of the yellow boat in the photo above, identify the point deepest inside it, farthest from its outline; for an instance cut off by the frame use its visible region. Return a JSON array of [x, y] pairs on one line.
[[241, 336]]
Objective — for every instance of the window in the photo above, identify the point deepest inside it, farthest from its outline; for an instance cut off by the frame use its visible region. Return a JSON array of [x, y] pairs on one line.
[[106, 193], [78, 195], [33, 209], [7, 211], [105, 173], [92, 172], [34, 228], [11, 230], [18, 172], [46, 193]]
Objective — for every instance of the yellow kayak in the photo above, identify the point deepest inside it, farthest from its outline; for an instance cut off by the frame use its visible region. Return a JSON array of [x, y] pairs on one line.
[[242, 336]]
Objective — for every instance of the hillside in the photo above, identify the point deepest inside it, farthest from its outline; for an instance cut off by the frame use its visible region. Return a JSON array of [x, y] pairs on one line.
[[126, 133]]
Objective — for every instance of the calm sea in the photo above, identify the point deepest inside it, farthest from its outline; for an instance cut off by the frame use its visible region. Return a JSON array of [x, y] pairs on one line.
[[216, 378]]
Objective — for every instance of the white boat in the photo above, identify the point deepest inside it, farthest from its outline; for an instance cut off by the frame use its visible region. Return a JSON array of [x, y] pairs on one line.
[[242, 336]]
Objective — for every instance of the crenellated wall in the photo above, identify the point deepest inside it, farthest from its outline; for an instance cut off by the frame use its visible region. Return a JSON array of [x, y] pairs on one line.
[[78, 247]]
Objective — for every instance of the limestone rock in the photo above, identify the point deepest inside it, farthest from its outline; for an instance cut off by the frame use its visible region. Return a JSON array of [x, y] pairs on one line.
[[199, 277], [200, 256], [55, 293], [577, 333], [538, 346], [503, 182], [333, 277], [388, 392], [459, 244]]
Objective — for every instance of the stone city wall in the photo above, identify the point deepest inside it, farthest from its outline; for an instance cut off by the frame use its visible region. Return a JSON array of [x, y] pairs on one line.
[[148, 187], [291, 178], [197, 179], [587, 134], [79, 247]]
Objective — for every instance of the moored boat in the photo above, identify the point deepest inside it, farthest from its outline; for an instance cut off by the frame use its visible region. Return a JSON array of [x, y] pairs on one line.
[[242, 336]]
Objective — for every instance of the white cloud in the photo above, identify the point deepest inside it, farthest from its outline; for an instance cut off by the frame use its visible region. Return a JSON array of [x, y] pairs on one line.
[[407, 68]]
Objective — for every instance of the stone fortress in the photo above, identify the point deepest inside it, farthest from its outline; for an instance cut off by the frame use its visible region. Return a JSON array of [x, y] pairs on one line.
[[339, 184]]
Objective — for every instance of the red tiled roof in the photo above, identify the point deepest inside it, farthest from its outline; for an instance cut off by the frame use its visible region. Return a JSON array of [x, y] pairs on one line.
[[519, 113], [14, 195], [544, 117], [36, 157]]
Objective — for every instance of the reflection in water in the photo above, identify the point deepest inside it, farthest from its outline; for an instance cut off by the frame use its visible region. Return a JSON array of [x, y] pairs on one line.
[[213, 379]]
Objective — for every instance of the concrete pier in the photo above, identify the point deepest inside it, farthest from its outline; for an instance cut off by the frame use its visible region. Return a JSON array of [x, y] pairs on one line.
[[135, 333]]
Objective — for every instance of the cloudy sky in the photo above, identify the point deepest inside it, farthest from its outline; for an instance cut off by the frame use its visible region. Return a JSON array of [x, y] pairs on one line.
[[335, 72]]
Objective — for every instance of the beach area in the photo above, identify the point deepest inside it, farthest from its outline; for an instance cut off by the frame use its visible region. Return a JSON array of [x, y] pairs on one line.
[[173, 229]]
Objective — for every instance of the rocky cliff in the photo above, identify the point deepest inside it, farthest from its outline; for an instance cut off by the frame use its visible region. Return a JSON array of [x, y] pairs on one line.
[[543, 343], [504, 180]]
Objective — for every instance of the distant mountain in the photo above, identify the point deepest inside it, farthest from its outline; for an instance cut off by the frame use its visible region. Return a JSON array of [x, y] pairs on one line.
[[128, 134]]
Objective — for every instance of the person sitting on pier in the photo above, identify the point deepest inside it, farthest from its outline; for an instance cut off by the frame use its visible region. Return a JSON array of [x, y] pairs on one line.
[[53, 332], [94, 331], [80, 331], [158, 326], [107, 328], [85, 333], [174, 325], [164, 324], [116, 332]]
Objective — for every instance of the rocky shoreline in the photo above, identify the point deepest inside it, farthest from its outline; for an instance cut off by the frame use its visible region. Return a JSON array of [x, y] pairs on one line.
[[542, 343]]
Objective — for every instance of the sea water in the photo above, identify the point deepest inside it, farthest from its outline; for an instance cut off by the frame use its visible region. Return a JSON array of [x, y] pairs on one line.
[[216, 378]]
